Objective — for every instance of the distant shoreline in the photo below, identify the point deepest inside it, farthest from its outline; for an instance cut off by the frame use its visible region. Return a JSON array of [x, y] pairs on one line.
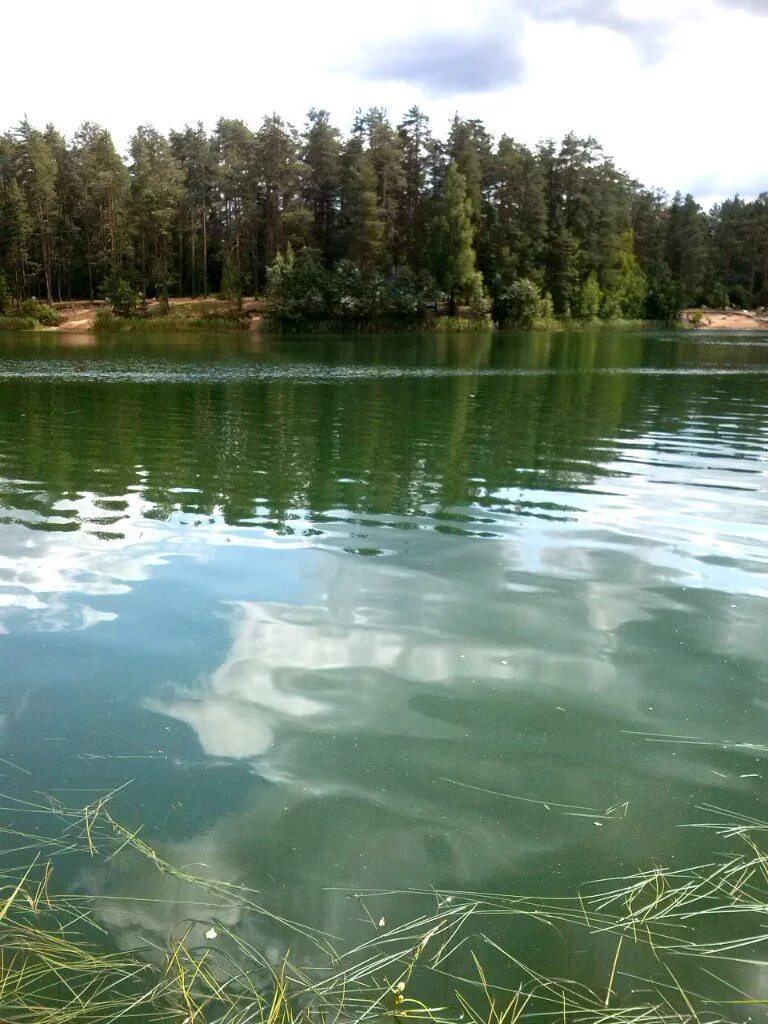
[[80, 317]]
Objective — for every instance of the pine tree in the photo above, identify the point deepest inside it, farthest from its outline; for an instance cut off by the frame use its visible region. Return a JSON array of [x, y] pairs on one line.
[[454, 262], [5, 295], [156, 193], [277, 159], [365, 221], [102, 204], [38, 182], [415, 142], [195, 153], [321, 181]]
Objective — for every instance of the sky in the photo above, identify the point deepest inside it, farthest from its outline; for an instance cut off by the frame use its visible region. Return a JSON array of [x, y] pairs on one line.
[[673, 89]]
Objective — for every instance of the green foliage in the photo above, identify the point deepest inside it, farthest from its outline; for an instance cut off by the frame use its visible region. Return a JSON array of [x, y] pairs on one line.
[[519, 304], [195, 212], [545, 315], [461, 324], [562, 270], [302, 293], [105, 319], [5, 295], [687, 248], [407, 294], [737, 296], [453, 253], [297, 288], [120, 295], [590, 299], [156, 192], [479, 301], [41, 313], [627, 287], [665, 298], [231, 279], [365, 226], [168, 323], [18, 323], [717, 297]]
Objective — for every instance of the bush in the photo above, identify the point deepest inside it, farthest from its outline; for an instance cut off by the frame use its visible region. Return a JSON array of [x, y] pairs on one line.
[[303, 295], [518, 304], [696, 318], [120, 295], [590, 299], [40, 312], [353, 294], [407, 293], [297, 288], [545, 315]]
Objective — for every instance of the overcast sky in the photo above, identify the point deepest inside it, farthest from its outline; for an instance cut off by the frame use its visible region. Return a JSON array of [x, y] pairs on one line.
[[674, 89]]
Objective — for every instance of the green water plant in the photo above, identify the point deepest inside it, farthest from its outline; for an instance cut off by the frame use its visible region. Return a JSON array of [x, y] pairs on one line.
[[671, 942]]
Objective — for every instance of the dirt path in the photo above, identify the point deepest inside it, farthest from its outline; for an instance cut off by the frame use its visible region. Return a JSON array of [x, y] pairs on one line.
[[78, 316]]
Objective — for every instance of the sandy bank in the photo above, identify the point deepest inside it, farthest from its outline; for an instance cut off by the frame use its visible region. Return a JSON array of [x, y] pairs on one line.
[[727, 319]]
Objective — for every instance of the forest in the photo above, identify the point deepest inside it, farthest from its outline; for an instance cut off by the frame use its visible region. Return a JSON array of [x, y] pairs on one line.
[[384, 221]]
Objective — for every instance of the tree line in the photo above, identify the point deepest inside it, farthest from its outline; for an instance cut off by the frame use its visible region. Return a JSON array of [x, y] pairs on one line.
[[386, 218]]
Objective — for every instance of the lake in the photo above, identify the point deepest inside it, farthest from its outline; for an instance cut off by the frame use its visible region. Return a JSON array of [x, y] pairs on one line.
[[476, 612]]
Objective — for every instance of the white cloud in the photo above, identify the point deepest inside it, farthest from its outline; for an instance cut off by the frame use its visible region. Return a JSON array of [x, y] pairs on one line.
[[669, 86]]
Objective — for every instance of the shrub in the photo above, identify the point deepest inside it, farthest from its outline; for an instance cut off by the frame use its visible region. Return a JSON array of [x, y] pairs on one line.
[[105, 318], [696, 318], [302, 294], [297, 288], [590, 299], [40, 312], [518, 304], [353, 294], [120, 295], [407, 293]]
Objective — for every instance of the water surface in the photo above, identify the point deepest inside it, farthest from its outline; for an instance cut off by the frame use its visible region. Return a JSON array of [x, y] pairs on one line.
[[333, 605]]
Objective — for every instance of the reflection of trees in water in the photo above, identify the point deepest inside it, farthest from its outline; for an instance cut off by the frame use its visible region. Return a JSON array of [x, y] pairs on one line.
[[386, 445]]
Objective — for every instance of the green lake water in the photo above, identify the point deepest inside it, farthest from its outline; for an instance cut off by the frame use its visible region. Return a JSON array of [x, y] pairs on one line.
[[359, 613]]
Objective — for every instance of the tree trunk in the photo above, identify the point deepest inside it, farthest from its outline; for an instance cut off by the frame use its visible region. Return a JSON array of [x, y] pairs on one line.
[[192, 267], [205, 254]]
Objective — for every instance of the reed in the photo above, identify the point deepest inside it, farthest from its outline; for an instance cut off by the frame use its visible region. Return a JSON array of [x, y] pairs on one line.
[[677, 944]]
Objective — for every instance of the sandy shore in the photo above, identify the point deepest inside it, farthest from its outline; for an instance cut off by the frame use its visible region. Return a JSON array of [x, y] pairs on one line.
[[81, 316], [727, 319]]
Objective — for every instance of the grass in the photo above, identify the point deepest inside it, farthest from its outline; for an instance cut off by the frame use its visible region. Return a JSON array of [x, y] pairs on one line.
[[379, 325], [19, 323], [461, 325], [674, 944], [170, 323]]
